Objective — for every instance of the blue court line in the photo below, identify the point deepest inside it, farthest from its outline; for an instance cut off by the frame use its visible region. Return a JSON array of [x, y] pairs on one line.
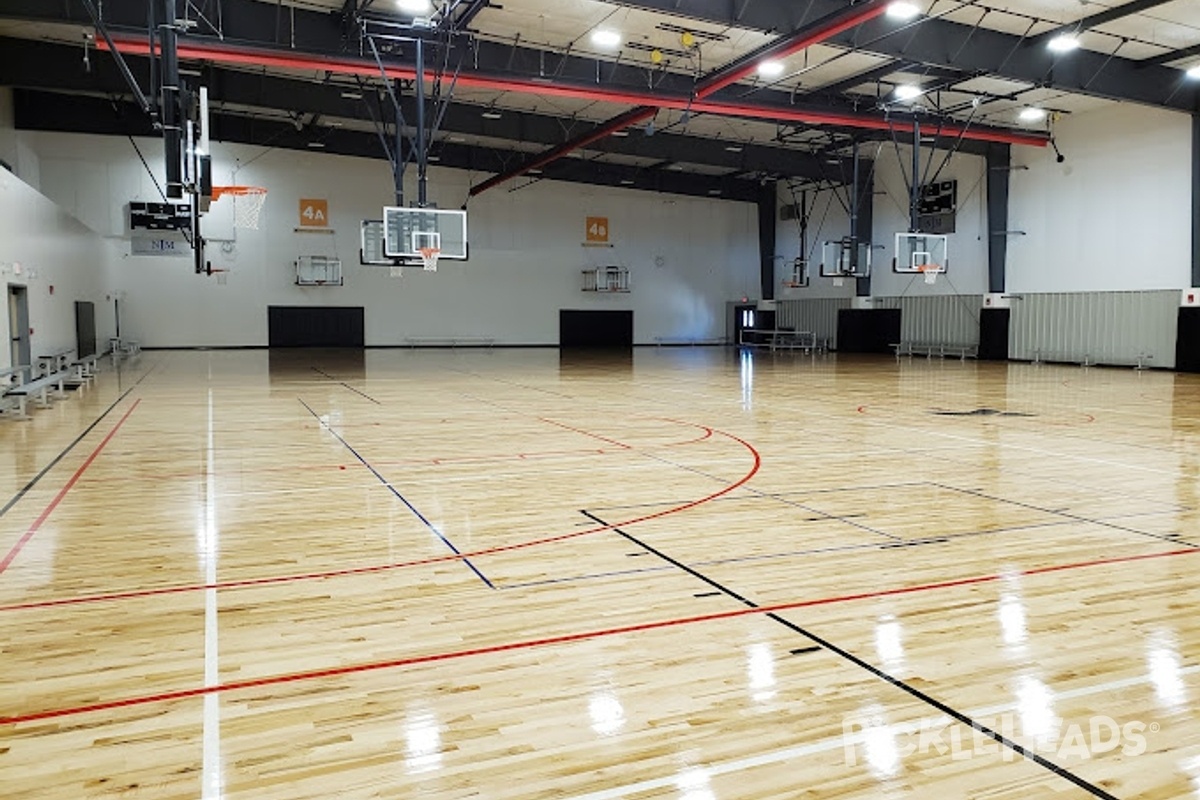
[[401, 497]]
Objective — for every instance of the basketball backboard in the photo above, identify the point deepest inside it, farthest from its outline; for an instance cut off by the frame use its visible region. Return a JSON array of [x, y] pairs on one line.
[[921, 252], [370, 247], [837, 259], [407, 230]]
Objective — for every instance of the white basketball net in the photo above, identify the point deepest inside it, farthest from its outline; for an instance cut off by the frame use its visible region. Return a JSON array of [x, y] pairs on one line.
[[429, 257], [246, 208]]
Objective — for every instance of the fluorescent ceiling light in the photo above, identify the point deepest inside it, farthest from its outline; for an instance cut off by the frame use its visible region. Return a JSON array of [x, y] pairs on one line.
[[714, 192], [316, 145], [415, 6], [908, 91], [1063, 43], [902, 11], [350, 94], [1194, 73], [1032, 114], [770, 69], [620, 133], [626, 182], [733, 148], [491, 113], [606, 38]]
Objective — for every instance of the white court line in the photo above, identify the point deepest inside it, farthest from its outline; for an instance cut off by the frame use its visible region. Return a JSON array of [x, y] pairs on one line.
[[859, 737], [212, 780]]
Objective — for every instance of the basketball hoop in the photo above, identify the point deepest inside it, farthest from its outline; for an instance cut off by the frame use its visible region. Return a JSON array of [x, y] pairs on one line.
[[930, 271], [429, 257], [247, 203]]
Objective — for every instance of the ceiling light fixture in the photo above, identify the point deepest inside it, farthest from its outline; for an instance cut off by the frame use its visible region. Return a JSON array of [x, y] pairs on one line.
[[491, 113], [606, 38], [908, 91], [1032, 114], [620, 133], [1063, 43], [626, 182], [350, 94], [733, 148], [317, 145], [770, 69], [1194, 73], [902, 10], [414, 6]]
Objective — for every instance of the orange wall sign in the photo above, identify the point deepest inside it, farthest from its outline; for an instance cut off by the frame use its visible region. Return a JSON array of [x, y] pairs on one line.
[[314, 212], [596, 229]]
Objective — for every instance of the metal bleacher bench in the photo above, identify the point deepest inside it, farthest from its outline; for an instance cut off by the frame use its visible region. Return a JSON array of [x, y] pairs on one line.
[[10, 379], [783, 339], [123, 347], [458, 341], [939, 349], [39, 389]]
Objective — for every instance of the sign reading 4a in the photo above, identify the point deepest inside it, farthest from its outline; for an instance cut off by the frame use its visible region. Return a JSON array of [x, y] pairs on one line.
[[314, 212]]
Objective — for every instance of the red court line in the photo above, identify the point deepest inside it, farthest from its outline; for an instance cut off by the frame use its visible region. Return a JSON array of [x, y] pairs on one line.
[[353, 669], [258, 582], [49, 509]]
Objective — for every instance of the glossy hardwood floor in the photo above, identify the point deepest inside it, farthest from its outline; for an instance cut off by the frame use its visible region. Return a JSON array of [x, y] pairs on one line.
[[686, 574]]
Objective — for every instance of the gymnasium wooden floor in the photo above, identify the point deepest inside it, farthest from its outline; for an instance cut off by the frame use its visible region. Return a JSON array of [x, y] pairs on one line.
[[686, 574]]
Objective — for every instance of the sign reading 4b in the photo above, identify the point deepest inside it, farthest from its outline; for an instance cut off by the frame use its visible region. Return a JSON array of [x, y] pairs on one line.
[[597, 229], [314, 212]]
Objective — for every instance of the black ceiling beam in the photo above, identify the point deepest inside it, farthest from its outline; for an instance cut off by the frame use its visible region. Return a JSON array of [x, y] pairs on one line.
[[40, 65], [942, 43], [1174, 55], [1108, 15], [882, 71], [253, 23], [35, 110]]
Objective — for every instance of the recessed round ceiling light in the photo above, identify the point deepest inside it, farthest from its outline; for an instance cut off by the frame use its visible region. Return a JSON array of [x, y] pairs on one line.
[[1063, 43], [902, 10], [908, 91], [1032, 114], [770, 69], [606, 38]]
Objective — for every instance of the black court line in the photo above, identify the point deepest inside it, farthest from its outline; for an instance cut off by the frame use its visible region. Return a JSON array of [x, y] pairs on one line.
[[348, 386], [775, 495], [799, 651], [1076, 517], [24, 490], [846, 519], [433, 528], [996, 736]]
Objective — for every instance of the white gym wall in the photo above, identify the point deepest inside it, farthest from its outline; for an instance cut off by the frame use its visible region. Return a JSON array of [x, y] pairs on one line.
[[57, 259], [526, 251], [1115, 215]]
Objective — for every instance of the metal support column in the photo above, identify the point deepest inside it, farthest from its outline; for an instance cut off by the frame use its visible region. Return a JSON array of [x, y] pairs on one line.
[[1195, 199], [422, 143], [172, 127], [998, 160], [767, 214], [914, 200]]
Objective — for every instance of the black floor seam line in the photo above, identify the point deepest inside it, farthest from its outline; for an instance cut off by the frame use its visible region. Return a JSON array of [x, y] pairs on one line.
[[346, 385], [845, 519], [388, 485], [878, 673], [1074, 517], [24, 490]]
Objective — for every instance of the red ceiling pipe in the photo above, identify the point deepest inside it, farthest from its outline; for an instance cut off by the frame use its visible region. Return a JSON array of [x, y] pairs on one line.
[[839, 23], [259, 57]]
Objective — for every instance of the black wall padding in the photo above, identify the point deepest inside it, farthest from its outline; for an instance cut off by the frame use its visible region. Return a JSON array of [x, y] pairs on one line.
[[1187, 343], [595, 328], [85, 329], [993, 334], [315, 326], [866, 330]]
